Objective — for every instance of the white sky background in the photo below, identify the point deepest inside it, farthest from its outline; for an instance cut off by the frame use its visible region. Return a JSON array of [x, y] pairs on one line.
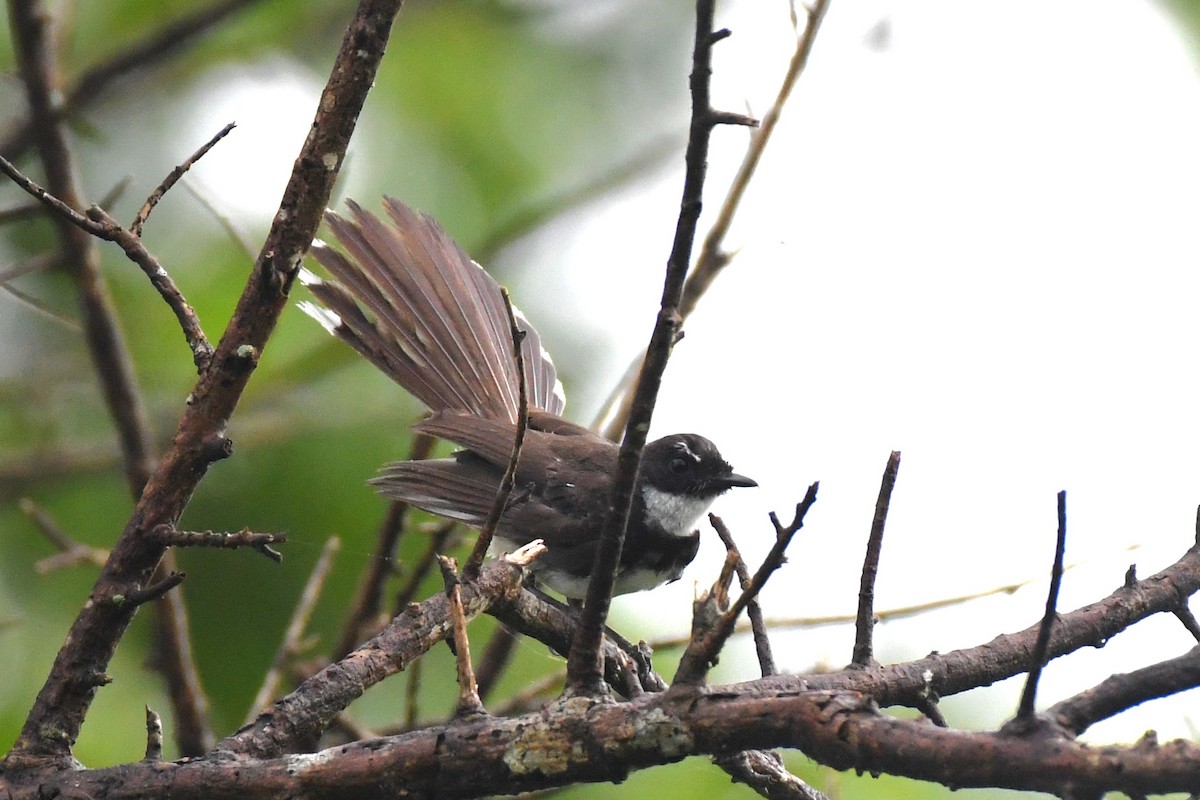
[[972, 240], [975, 245]]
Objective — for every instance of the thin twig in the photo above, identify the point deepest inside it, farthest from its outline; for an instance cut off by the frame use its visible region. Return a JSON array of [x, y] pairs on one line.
[[475, 560], [712, 258], [584, 667], [260, 542], [864, 624], [365, 614], [709, 636], [98, 223], [468, 692], [1041, 649], [412, 693], [154, 591], [293, 637], [172, 178], [762, 643], [72, 552]]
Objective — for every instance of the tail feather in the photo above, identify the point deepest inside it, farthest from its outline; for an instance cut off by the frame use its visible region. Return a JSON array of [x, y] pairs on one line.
[[413, 303]]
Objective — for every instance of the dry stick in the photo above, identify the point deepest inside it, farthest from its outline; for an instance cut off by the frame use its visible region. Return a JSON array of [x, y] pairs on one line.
[[712, 258], [471, 568], [864, 624], [584, 668], [1041, 648], [58, 712], [140, 596], [764, 772], [93, 84], [98, 223], [1123, 691], [72, 552], [554, 625], [468, 692], [762, 644], [154, 736], [706, 642], [293, 637], [260, 542], [172, 178]]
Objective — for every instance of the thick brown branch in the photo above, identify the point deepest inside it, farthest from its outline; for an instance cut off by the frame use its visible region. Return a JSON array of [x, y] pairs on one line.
[[581, 739]]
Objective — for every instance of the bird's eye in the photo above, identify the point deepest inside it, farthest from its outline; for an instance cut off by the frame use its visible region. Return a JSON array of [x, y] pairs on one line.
[[679, 465]]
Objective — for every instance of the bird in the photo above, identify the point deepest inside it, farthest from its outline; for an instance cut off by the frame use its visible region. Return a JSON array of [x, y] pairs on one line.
[[404, 295]]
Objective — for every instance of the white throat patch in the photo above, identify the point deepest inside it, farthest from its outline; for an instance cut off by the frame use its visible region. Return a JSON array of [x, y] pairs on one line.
[[675, 514]]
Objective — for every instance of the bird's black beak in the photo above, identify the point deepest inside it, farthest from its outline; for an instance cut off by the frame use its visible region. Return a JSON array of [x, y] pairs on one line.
[[731, 480]]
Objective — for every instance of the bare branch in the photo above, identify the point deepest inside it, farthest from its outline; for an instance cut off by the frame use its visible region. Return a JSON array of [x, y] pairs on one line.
[[260, 542], [172, 178], [865, 620], [1041, 650], [72, 552], [712, 257], [154, 736], [707, 641], [1125, 690], [762, 644], [469, 703]]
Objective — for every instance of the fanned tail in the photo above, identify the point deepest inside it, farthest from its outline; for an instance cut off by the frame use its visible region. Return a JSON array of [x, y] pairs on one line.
[[408, 299]]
